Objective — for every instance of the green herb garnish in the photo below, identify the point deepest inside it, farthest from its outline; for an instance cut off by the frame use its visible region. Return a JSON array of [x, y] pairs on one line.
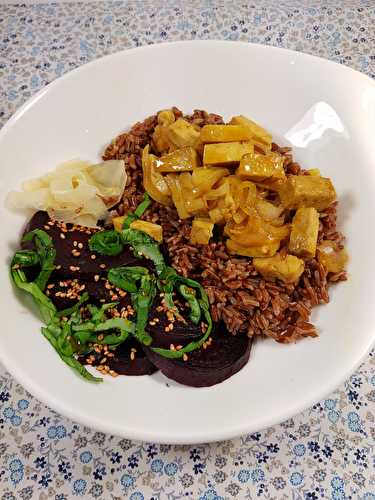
[[106, 243], [138, 212], [46, 254]]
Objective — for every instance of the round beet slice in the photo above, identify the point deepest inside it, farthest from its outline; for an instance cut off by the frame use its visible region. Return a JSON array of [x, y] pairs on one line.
[[124, 365], [184, 331], [122, 362], [226, 355]]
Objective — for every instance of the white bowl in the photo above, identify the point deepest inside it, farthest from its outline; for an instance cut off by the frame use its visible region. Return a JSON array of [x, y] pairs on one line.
[[326, 111]]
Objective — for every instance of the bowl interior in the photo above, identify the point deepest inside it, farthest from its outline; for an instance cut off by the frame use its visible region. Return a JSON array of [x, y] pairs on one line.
[[324, 111]]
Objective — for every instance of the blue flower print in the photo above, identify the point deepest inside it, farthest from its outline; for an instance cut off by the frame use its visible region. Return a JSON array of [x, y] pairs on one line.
[[137, 495], [170, 469], [257, 475], [16, 476], [353, 416], [52, 432], [15, 465], [299, 450], [40, 462], [296, 478], [60, 431], [79, 486], [329, 404], [210, 495], [85, 457], [338, 495], [127, 481], [16, 420], [244, 475], [157, 465], [23, 404], [354, 426], [333, 416], [337, 483], [8, 412]]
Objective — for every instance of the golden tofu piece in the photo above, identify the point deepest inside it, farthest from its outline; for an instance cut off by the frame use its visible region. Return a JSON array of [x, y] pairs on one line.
[[153, 230], [258, 167], [267, 250], [285, 268], [118, 222], [182, 133], [304, 233], [180, 160], [331, 257], [307, 191], [226, 153], [225, 133], [201, 231], [257, 132]]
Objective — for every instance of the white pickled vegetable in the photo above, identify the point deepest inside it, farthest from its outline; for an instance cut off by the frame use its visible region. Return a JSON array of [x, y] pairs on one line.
[[75, 192]]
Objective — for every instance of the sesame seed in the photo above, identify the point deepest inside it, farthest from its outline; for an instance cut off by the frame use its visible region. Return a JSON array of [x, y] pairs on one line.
[[102, 266], [184, 357], [133, 349], [80, 245], [51, 285], [172, 347], [152, 323], [62, 236], [178, 347], [75, 243], [58, 267], [132, 356], [102, 361], [96, 277], [47, 228], [93, 256]]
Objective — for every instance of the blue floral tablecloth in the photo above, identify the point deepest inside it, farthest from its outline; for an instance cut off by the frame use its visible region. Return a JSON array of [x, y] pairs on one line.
[[326, 452]]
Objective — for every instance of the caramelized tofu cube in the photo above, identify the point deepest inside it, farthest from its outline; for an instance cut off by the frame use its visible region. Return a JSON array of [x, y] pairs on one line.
[[201, 231], [182, 133], [307, 191], [257, 132], [304, 233], [266, 250], [118, 222], [285, 268], [226, 153], [180, 160], [153, 230], [258, 167], [224, 133]]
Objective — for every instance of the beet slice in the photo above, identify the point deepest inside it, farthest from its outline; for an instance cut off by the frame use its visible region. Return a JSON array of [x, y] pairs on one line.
[[226, 355], [122, 363], [184, 331], [81, 264], [98, 293]]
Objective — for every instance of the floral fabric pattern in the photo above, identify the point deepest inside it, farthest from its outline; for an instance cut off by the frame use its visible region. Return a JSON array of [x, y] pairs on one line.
[[327, 451]]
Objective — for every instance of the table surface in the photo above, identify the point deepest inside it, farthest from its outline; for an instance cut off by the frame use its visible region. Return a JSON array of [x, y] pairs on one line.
[[327, 451]]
